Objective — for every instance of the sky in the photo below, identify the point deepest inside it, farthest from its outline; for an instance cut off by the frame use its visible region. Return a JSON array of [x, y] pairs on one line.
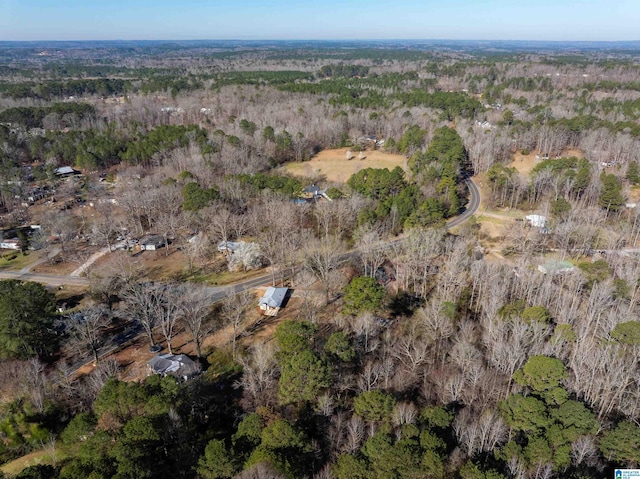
[[548, 20]]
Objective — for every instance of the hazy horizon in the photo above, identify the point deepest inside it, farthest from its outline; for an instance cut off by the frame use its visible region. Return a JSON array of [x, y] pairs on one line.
[[319, 40], [334, 20]]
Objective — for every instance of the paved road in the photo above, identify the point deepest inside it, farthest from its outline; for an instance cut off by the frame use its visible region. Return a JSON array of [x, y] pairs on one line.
[[48, 279], [218, 293], [472, 207]]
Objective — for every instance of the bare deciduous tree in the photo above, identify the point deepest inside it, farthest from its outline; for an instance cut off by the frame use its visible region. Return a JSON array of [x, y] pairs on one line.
[[233, 310], [322, 259], [87, 328], [36, 380], [195, 309], [143, 301], [372, 250], [169, 310], [259, 376]]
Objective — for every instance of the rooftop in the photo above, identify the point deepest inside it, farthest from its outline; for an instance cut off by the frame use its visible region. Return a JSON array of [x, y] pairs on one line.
[[273, 297], [176, 365]]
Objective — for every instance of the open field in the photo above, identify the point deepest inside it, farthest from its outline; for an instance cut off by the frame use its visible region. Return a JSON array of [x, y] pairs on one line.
[[492, 227], [333, 165], [525, 163]]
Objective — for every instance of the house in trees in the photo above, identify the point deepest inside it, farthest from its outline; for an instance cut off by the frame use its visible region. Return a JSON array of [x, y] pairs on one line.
[[385, 274], [537, 221], [272, 300], [314, 193], [229, 247], [65, 171], [311, 192], [178, 365], [151, 242], [10, 244]]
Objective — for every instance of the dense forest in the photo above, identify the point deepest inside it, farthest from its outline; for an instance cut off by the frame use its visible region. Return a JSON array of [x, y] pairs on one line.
[[409, 349]]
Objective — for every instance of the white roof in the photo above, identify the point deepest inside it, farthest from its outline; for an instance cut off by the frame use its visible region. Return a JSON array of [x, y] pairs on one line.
[[65, 170], [537, 220], [229, 245], [273, 297]]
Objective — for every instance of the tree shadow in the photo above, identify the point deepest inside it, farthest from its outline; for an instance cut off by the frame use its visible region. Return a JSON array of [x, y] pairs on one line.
[[404, 304]]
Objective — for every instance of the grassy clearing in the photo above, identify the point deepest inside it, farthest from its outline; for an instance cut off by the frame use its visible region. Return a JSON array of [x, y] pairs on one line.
[[334, 166], [44, 456], [15, 260], [490, 219]]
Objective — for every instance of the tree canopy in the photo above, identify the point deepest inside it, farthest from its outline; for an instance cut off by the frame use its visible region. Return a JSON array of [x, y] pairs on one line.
[[363, 294], [26, 319]]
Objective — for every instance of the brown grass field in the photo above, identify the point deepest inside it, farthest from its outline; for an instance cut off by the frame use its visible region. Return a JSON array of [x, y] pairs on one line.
[[333, 166], [525, 163]]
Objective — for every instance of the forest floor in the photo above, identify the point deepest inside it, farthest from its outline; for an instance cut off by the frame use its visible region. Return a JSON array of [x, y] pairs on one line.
[[333, 166]]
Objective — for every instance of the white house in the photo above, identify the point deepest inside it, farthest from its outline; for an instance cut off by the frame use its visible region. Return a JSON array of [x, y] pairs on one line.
[[537, 221], [10, 244], [553, 266], [65, 171]]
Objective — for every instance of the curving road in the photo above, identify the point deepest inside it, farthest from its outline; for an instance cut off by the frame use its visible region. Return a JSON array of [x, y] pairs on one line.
[[472, 206]]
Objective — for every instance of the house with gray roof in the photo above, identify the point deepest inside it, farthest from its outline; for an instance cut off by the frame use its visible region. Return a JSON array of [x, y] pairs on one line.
[[64, 171], [151, 242], [178, 365], [272, 300]]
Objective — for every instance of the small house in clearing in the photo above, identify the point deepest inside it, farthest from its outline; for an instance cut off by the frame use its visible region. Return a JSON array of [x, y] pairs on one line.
[[313, 193], [272, 300], [537, 221], [151, 242], [179, 366]]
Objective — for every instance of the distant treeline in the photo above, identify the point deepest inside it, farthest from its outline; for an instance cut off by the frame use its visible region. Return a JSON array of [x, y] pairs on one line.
[[52, 89], [343, 71], [259, 78], [94, 148], [32, 117]]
